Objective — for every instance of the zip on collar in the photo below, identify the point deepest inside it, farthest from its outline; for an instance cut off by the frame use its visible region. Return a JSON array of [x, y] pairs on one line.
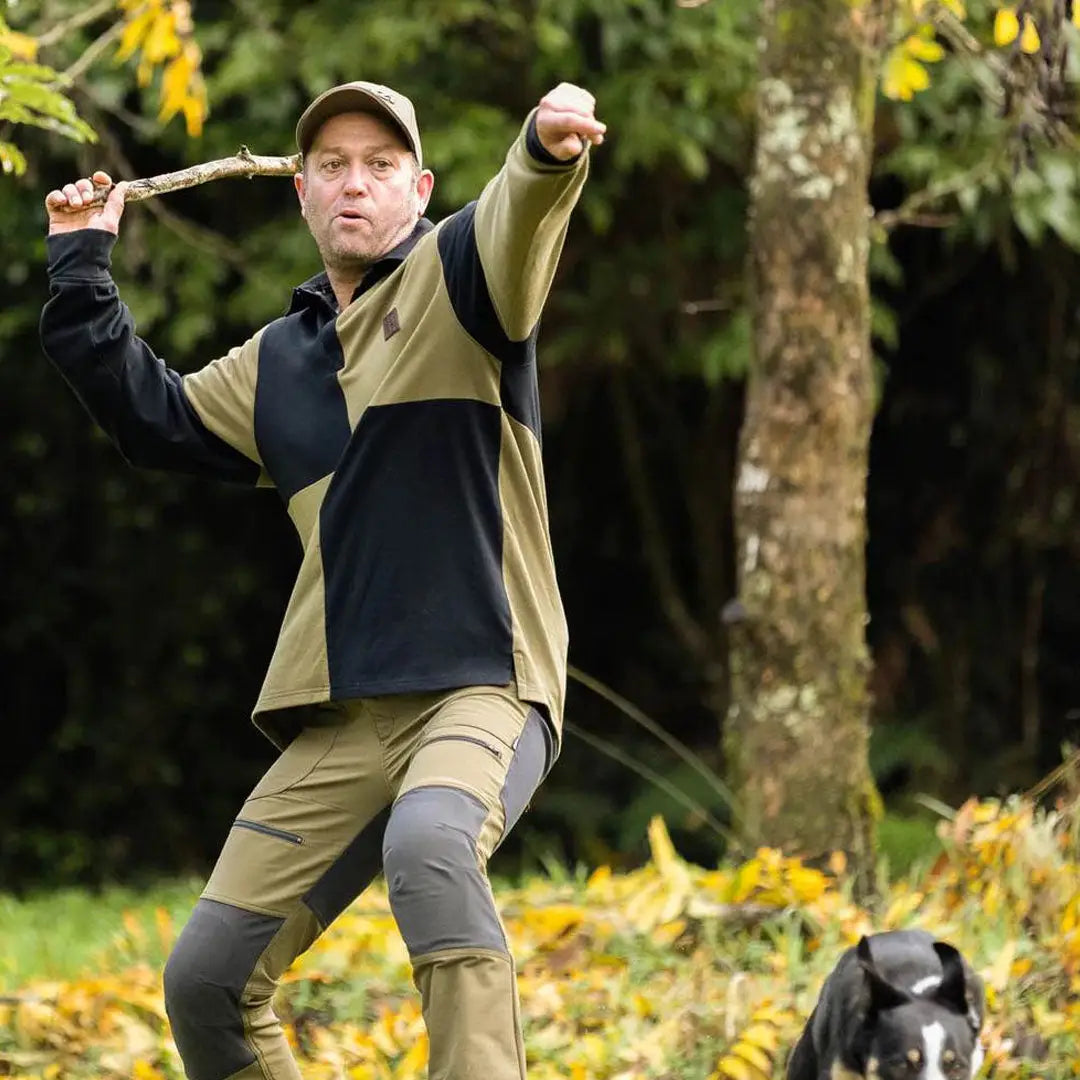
[[317, 290]]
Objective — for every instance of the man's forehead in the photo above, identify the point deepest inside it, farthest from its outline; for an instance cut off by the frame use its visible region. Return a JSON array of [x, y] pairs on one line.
[[349, 128]]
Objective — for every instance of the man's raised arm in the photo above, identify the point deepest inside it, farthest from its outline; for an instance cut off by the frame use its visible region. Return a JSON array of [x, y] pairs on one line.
[[89, 334], [522, 215]]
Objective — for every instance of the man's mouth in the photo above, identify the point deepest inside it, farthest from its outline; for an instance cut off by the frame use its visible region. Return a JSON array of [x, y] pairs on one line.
[[352, 215]]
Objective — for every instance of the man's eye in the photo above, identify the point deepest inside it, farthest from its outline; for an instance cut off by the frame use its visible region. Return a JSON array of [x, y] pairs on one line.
[[332, 165], [381, 163]]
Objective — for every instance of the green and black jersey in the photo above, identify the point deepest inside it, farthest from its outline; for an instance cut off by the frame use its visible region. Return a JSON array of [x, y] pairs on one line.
[[403, 435]]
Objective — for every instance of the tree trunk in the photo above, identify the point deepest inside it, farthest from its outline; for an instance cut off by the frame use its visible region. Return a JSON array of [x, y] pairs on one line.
[[797, 730]]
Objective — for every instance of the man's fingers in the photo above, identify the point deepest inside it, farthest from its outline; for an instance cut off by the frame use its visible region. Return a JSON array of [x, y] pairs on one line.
[[573, 120], [568, 95]]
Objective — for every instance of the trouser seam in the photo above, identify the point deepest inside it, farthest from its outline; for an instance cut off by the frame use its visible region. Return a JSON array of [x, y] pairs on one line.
[[464, 953]]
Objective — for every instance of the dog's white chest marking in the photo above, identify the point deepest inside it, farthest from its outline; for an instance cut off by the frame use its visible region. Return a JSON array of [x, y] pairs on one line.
[[933, 1036], [926, 983], [977, 1060]]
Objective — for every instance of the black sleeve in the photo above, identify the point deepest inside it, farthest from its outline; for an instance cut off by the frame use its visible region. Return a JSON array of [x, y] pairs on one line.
[[89, 334]]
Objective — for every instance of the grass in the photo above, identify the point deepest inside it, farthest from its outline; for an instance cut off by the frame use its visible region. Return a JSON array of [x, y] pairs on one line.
[[634, 974], [69, 933]]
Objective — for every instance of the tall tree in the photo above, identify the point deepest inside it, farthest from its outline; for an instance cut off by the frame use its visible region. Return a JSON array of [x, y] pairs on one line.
[[797, 731], [798, 725]]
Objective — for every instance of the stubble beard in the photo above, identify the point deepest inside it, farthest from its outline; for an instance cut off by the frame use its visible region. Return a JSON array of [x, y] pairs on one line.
[[345, 254]]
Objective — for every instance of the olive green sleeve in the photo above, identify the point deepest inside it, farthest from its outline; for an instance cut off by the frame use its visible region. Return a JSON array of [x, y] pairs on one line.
[[223, 395], [521, 221]]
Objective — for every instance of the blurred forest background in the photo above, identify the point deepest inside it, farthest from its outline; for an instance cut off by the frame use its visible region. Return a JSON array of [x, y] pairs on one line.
[[139, 611]]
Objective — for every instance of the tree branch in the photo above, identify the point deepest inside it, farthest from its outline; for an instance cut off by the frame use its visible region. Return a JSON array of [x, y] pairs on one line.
[[912, 211], [90, 55], [76, 22], [244, 163], [198, 236]]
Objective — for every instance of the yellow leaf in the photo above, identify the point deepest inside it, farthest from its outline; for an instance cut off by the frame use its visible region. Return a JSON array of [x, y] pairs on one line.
[[174, 87], [753, 1055], [1029, 39], [22, 46], [806, 883], [924, 49], [668, 932], [746, 880], [998, 975], [903, 77], [165, 931], [1006, 26], [161, 42], [133, 35], [663, 850], [415, 1060], [599, 878], [735, 1068], [143, 1070], [763, 1036]]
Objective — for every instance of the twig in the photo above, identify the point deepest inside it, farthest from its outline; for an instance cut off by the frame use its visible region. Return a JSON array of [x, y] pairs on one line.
[[244, 163], [911, 210], [651, 726], [90, 55], [76, 22], [189, 231], [646, 772]]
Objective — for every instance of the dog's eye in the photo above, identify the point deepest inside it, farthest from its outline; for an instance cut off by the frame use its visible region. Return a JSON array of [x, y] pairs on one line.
[[914, 1059]]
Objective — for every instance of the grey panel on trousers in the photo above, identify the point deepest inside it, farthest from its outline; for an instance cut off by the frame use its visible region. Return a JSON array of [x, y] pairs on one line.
[[527, 768], [350, 873], [439, 896], [209, 967]]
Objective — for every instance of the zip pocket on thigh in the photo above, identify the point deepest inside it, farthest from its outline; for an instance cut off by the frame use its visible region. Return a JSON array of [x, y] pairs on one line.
[[268, 830], [488, 746]]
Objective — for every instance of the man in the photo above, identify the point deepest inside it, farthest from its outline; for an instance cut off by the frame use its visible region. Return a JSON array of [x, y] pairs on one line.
[[417, 684]]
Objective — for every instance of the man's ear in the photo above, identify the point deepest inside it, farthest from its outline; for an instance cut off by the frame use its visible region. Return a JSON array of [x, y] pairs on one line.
[[298, 183], [425, 184], [952, 990], [883, 995]]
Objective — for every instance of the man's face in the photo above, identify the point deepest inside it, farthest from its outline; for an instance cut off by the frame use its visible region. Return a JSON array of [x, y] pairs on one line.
[[360, 192]]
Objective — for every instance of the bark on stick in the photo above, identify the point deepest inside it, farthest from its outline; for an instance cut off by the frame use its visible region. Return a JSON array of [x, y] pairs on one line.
[[243, 164]]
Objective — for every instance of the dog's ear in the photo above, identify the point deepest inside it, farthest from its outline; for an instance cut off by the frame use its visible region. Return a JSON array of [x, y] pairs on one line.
[[952, 990], [883, 995]]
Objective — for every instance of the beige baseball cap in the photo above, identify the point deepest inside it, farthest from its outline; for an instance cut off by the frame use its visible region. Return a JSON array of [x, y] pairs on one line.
[[360, 97]]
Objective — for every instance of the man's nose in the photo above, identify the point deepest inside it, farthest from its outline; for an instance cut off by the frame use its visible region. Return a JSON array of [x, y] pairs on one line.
[[356, 179]]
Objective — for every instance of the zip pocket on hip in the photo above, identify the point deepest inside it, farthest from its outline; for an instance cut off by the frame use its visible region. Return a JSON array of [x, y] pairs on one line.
[[268, 830], [494, 751]]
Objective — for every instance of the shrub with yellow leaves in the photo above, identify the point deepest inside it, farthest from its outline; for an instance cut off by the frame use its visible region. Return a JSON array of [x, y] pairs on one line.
[[669, 971], [919, 24], [161, 32]]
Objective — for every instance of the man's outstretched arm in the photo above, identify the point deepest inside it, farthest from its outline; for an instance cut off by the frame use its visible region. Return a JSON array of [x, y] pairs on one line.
[[518, 225], [89, 334]]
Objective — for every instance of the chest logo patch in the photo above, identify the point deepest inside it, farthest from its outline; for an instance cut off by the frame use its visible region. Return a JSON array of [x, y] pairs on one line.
[[391, 324]]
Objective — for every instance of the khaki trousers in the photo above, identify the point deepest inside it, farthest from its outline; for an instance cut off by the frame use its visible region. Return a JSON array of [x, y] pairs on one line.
[[422, 786]]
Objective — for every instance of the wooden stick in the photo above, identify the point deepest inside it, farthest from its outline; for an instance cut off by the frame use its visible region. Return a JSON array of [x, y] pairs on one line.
[[244, 163]]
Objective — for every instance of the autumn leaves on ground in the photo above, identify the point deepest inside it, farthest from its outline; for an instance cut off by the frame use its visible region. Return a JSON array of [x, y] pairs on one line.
[[668, 971]]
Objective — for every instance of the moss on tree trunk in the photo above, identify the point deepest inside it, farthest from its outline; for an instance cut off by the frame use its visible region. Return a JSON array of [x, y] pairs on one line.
[[797, 729]]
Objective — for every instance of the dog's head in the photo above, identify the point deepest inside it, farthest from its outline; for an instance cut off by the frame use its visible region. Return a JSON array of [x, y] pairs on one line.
[[925, 1035]]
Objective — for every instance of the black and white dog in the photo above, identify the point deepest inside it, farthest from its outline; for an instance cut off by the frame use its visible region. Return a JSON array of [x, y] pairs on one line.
[[898, 1006]]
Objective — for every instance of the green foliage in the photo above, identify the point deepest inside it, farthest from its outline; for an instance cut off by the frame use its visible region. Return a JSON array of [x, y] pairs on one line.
[[30, 94]]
